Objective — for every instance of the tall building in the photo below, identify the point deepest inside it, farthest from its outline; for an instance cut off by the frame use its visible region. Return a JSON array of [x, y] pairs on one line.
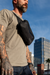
[[32, 58], [41, 51]]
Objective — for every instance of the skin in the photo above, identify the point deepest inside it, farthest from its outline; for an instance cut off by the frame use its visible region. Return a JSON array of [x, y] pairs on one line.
[[28, 56], [28, 59], [19, 12], [6, 65]]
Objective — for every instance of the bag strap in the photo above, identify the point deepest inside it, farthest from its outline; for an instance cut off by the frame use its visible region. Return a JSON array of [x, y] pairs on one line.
[[19, 20]]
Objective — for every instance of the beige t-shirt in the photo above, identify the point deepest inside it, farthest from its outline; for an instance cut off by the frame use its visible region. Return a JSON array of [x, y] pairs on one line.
[[15, 46]]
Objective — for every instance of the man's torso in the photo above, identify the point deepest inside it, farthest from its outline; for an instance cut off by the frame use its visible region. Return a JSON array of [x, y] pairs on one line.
[[15, 47]]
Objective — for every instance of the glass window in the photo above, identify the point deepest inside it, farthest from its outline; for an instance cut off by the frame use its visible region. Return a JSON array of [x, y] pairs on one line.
[[42, 60], [42, 52]]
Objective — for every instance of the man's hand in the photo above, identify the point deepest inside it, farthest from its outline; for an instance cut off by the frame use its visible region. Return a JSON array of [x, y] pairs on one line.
[[6, 68], [31, 66]]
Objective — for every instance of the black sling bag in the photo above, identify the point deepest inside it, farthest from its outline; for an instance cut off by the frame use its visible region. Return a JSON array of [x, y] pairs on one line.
[[24, 31]]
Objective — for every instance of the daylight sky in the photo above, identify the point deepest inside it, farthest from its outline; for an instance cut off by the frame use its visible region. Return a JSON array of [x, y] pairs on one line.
[[38, 15]]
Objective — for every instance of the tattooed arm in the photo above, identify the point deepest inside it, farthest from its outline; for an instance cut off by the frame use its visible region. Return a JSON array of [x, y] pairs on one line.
[[6, 66], [29, 60], [28, 55]]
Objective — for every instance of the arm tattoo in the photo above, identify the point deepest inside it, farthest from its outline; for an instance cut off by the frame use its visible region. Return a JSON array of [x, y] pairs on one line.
[[3, 53], [28, 55]]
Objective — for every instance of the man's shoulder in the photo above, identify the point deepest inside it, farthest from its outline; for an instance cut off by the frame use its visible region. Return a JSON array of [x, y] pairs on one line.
[[6, 11]]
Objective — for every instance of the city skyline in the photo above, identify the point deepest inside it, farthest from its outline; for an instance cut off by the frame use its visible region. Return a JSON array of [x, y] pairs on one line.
[[38, 15]]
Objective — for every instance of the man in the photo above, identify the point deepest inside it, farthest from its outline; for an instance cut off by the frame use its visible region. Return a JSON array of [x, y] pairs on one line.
[[12, 47]]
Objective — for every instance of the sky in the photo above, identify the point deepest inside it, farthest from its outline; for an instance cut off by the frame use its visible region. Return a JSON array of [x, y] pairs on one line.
[[38, 16]]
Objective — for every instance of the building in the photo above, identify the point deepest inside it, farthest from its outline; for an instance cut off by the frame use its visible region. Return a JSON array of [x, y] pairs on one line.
[[41, 51], [32, 58]]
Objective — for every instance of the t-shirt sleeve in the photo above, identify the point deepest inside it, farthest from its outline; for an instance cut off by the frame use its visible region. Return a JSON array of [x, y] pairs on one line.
[[4, 18]]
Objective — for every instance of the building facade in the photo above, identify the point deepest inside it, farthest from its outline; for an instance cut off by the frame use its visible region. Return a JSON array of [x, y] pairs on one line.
[[41, 51], [32, 58]]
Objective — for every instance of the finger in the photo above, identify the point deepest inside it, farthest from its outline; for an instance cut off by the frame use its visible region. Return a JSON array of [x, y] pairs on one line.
[[5, 72], [12, 71], [9, 72], [2, 71]]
